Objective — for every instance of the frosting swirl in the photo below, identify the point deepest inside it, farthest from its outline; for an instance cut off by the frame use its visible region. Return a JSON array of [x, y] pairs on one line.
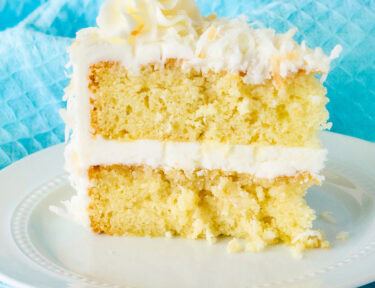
[[158, 20]]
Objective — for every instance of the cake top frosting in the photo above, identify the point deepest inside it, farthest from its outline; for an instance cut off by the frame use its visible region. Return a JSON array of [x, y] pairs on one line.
[[139, 32], [150, 20]]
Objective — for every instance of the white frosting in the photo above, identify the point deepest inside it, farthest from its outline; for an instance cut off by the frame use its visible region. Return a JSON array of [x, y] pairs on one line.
[[124, 18], [263, 162], [138, 32], [260, 161]]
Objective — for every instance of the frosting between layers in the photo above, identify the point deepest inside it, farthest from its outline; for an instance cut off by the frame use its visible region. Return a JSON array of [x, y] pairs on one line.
[[260, 161], [139, 32]]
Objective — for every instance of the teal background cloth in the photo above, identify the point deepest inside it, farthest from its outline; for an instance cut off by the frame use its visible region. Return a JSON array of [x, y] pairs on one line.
[[34, 35]]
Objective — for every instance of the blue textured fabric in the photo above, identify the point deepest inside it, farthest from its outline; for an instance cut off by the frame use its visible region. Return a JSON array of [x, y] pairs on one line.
[[12, 12], [32, 74], [32, 59], [35, 33]]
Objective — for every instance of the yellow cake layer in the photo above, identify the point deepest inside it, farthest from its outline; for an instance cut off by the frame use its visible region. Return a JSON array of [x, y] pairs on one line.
[[141, 201], [170, 104]]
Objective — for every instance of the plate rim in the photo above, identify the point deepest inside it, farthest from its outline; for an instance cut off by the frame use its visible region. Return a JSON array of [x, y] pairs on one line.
[[365, 279]]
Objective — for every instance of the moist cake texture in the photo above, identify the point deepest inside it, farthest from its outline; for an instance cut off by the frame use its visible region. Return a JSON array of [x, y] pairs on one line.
[[193, 126], [140, 200], [171, 105]]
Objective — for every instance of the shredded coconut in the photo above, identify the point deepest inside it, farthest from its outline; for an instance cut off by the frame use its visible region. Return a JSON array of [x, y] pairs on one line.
[[307, 234]]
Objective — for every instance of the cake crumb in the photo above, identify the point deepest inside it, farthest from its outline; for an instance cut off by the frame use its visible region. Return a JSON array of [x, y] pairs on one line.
[[327, 216], [211, 240], [325, 244], [297, 252], [269, 234], [234, 246], [255, 246], [342, 236]]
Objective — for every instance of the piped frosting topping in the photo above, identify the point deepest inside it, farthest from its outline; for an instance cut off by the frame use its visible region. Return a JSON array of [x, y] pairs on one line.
[[150, 20]]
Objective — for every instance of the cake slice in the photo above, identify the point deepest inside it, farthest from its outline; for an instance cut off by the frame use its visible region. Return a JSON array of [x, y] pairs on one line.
[[192, 126]]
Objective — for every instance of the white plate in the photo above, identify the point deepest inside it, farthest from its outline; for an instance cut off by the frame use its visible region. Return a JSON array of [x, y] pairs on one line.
[[40, 249]]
